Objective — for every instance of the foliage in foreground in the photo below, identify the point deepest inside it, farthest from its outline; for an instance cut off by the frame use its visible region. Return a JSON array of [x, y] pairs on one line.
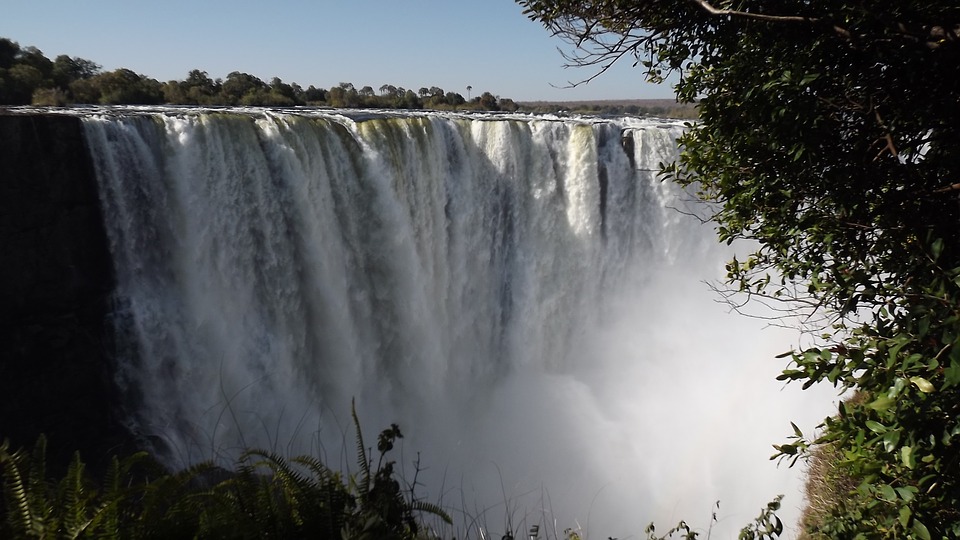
[[829, 134], [265, 496]]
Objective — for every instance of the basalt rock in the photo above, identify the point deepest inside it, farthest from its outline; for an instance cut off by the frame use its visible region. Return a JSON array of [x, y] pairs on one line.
[[55, 284]]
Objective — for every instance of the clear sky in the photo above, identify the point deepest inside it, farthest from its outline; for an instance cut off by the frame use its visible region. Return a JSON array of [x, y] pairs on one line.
[[489, 45]]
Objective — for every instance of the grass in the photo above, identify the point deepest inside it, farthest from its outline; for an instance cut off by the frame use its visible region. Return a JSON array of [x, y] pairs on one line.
[[828, 484]]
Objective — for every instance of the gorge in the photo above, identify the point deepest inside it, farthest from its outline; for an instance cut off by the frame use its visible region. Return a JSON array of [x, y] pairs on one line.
[[520, 294]]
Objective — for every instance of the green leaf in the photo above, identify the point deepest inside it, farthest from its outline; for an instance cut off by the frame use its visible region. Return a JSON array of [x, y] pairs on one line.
[[906, 456], [920, 530], [951, 374], [890, 440], [876, 427], [936, 248], [789, 449], [906, 493], [894, 351], [882, 403], [897, 388], [887, 493], [924, 385], [905, 514]]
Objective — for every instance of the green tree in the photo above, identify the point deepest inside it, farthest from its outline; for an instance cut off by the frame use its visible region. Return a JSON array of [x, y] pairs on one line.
[[237, 85], [66, 70], [8, 52], [19, 84], [124, 87], [454, 99], [344, 95], [409, 100], [282, 94], [199, 89], [22, 72], [488, 102], [32, 56], [336, 97], [86, 91], [313, 94], [435, 97], [829, 134]]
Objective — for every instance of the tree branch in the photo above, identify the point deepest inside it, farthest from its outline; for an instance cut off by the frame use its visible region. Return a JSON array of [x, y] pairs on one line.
[[756, 16], [706, 6]]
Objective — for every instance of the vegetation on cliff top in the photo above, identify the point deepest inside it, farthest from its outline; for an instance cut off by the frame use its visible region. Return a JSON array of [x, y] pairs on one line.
[[829, 135], [28, 77]]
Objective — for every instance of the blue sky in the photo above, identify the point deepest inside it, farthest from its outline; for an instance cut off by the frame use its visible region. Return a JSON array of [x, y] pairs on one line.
[[489, 45]]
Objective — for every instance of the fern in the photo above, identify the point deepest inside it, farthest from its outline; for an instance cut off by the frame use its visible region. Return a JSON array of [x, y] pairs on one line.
[[363, 488], [164, 507], [430, 508], [43, 521], [106, 518], [266, 495], [19, 518], [74, 499], [252, 502], [331, 499], [293, 486]]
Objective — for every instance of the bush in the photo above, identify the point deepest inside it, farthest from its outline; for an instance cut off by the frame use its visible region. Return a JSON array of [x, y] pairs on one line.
[[264, 496], [49, 97]]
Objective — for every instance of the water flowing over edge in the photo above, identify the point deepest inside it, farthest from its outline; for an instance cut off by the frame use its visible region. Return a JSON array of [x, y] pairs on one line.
[[518, 293]]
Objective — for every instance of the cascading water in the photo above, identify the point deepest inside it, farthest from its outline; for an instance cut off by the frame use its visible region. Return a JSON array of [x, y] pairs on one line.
[[516, 292]]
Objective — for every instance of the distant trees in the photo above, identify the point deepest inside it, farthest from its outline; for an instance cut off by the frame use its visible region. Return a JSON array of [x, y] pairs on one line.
[[453, 99], [314, 95], [29, 77], [25, 71], [197, 89], [19, 83], [488, 101], [66, 70], [343, 95], [238, 86], [8, 53], [124, 87]]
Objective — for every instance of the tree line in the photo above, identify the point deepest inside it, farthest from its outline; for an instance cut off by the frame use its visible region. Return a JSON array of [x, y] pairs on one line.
[[28, 77]]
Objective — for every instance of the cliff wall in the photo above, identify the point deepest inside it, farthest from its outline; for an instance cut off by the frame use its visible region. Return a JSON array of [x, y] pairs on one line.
[[55, 283]]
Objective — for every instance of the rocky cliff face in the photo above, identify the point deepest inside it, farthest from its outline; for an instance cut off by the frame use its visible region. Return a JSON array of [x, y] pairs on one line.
[[55, 282]]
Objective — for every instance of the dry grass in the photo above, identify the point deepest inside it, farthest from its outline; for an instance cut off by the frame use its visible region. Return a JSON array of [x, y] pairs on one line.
[[828, 483]]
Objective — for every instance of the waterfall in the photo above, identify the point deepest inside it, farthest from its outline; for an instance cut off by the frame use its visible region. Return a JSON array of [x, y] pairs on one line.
[[520, 294]]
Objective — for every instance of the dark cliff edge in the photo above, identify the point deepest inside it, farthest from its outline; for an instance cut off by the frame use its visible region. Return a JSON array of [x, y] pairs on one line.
[[55, 284]]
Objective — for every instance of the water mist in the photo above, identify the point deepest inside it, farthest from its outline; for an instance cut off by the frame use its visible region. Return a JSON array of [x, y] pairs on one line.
[[520, 294]]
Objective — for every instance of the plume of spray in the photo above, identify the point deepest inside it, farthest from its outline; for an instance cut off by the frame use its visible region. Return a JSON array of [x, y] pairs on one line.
[[517, 294]]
